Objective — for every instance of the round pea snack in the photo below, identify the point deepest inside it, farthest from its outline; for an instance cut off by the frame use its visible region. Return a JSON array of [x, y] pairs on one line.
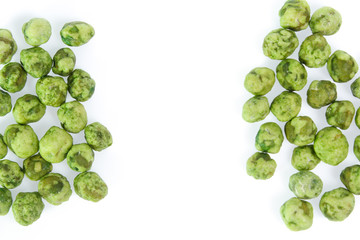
[[357, 147], [27, 207], [321, 93], [54, 188], [295, 15], [64, 62], [76, 33], [286, 106], [72, 116], [326, 21], [300, 130], [291, 74], [350, 177], [98, 136], [13, 77], [340, 114], [341, 66], [35, 167], [255, 109], [89, 186], [269, 138], [314, 51], [259, 81], [11, 175], [81, 85], [280, 44], [5, 201], [5, 103], [80, 157], [36, 61], [3, 147], [297, 214], [8, 46], [304, 158], [355, 88], [51, 90], [305, 184], [36, 31], [261, 166], [28, 109]]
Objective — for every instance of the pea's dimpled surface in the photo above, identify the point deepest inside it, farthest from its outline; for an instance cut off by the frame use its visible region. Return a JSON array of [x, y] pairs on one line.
[[3, 147], [300, 130], [22, 140], [269, 138], [341, 66], [76, 33], [326, 21], [36, 31], [64, 62], [295, 15], [81, 85], [314, 51], [261, 166], [259, 81], [27, 207], [321, 93], [8, 46], [304, 158], [297, 214], [255, 109], [51, 90], [350, 177], [80, 157], [5, 103], [340, 114], [36, 167], [337, 204], [54, 188], [291, 74], [98, 136], [28, 109], [280, 43], [89, 186], [331, 146], [357, 147], [11, 175], [55, 144], [36, 61], [305, 184], [72, 116], [13, 77], [286, 106], [355, 88], [5, 201]]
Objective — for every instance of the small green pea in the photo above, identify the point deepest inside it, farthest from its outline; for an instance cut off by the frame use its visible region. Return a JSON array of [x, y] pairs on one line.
[[314, 51], [5, 201], [259, 81], [64, 62], [291, 74], [3, 147], [90, 186], [255, 109], [54, 188], [76, 33], [13, 77], [340, 114], [304, 158], [350, 177], [36, 167], [36, 61], [51, 90], [80, 157], [11, 175], [269, 138], [261, 166], [297, 214], [321, 93], [305, 184], [27, 207], [5, 103], [36, 31], [337, 204], [286, 106], [81, 85], [300, 130], [98, 136], [280, 44], [295, 15], [72, 116], [341, 66], [326, 21], [28, 109], [8, 46]]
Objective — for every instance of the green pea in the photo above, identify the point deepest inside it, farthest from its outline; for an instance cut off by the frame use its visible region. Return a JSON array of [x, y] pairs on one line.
[[259, 81], [280, 44], [269, 138], [8, 46], [350, 177], [337, 204], [300, 130], [76, 33], [255, 109], [291, 74], [355, 88], [90, 186], [305, 184], [36, 61], [340, 114], [295, 15], [341, 66], [5, 103], [98, 136], [286, 106], [51, 90], [297, 214], [11, 175], [326, 21], [3, 147], [314, 51], [81, 85], [64, 62], [36, 31], [261, 166], [36, 167], [28, 109], [54, 188], [80, 157], [357, 147], [321, 93], [304, 158], [72, 116], [5, 201], [27, 207], [13, 77]]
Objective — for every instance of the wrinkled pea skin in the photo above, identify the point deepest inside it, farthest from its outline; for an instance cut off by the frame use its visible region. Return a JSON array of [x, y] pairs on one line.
[[81, 85], [297, 214], [27, 207], [340, 114], [98, 136], [286, 106], [5, 103], [295, 15], [355, 88], [314, 51], [291, 74], [259, 81], [280, 43], [36, 31], [72, 116], [269, 138], [305, 185], [13, 77], [36, 167], [261, 166], [350, 177], [255, 109], [341, 66], [326, 21], [36, 61], [64, 62], [76, 33], [3, 147], [321, 93], [357, 147], [300, 130], [54, 188], [51, 90], [5, 201], [304, 158], [11, 175], [8, 46], [28, 109], [90, 186], [80, 157]]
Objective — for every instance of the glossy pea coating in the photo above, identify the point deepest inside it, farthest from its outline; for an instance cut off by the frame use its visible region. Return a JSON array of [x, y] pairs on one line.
[[98, 136], [297, 214], [286, 106], [36, 61], [304, 158], [13, 77], [55, 144], [80, 157], [314, 51], [340, 114], [76, 33], [36, 31], [27, 207], [326, 21], [255, 109], [72, 116], [337, 204], [300, 130], [11, 175], [350, 177], [291, 74], [22, 140], [81, 85], [3, 147], [321, 93], [54, 188], [295, 15], [5, 201], [355, 88], [8, 46], [90, 186], [269, 138], [331, 146], [341, 66], [64, 62], [280, 43], [259, 81], [51, 90], [5, 103], [28, 109], [261, 166], [305, 184], [357, 147], [36, 167]]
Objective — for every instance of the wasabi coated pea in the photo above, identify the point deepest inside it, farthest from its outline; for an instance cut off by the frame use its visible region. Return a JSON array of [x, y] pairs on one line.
[[13, 77], [261, 166], [8, 46], [305, 184], [286, 106], [3, 147], [280, 44], [350, 177], [36, 167], [259, 81], [5, 103], [331, 146], [326, 21], [98, 136], [337, 204], [295, 15], [269, 138], [5, 201], [51, 90], [55, 144], [314, 51], [321, 93], [36, 31], [11, 175], [255, 109], [80, 157], [291, 74], [81, 85], [340, 114], [357, 118], [76, 33], [64, 62], [22, 140], [300, 130], [89, 186], [54, 188], [341, 66], [27, 207], [304, 158], [355, 88], [297, 214], [72, 116], [357, 147], [28, 109], [36, 61]]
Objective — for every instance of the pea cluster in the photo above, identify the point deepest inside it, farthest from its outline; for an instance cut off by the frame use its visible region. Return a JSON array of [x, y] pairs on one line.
[[56, 145]]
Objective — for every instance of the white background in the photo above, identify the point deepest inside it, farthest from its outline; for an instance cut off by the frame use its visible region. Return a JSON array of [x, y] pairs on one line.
[[169, 77]]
